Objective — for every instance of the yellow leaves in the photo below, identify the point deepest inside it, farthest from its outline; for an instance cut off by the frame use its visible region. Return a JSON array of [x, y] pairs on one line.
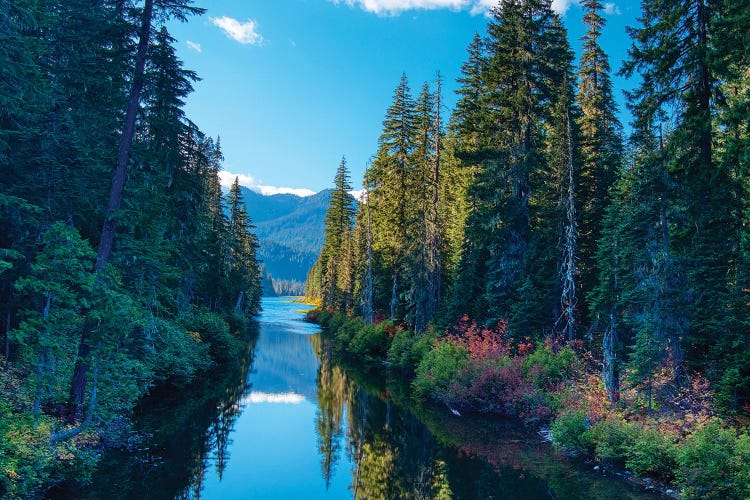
[[196, 336]]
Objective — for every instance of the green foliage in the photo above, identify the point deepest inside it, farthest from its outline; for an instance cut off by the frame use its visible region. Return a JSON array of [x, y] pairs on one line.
[[179, 353], [613, 438], [407, 349], [570, 430], [651, 452], [27, 461], [714, 462], [439, 368], [544, 367], [370, 340], [79, 329], [211, 329]]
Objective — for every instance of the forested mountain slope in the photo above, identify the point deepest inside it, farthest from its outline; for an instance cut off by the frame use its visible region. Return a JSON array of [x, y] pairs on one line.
[[290, 231]]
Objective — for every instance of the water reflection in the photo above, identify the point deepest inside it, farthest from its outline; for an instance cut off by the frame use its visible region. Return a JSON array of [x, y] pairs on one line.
[[290, 421], [185, 434], [398, 449]]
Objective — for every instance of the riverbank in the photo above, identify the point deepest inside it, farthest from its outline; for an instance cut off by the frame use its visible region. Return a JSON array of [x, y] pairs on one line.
[[679, 446], [33, 465]]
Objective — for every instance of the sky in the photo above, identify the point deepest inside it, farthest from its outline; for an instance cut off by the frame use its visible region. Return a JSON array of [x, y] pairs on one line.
[[292, 86]]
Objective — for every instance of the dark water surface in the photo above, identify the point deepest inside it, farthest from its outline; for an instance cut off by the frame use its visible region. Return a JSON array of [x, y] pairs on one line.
[[287, 422]]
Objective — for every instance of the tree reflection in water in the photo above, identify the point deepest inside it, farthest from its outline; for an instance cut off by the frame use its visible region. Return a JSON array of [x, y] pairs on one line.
[[186, 431], [399, 449], [362, 422]]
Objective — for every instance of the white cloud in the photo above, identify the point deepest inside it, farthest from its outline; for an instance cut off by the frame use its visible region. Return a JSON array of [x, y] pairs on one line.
[[273, 397], [612, 9], [562, 6], [243, 32], [394, 7], [227, 179], [195, 46]]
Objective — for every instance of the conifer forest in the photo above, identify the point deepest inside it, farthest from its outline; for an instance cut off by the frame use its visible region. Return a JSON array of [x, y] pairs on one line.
[[523, 255]]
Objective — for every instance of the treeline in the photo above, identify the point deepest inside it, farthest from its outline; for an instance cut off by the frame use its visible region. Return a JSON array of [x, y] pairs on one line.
[[530, 209], [119, 268]]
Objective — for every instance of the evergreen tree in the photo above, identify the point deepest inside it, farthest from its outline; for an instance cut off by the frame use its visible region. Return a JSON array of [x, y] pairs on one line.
[[388, 179], [56, 290], [513, 227], [335, 257], [601, 144], [601, 153], [673, 50], [165, 10], [242, 284]]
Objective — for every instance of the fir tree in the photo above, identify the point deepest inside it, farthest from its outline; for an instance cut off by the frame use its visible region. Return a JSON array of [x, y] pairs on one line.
[[335, 257], [388, 180]]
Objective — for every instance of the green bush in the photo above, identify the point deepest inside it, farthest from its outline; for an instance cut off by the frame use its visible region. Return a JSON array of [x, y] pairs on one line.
[[331, 320], [407, 349], [369, 341], [569, 431], [652, 453], [346, 331], [715, 463], [612, 438], [543, 367], [213, 330], [438, 368], [178, 353], [399, 354]]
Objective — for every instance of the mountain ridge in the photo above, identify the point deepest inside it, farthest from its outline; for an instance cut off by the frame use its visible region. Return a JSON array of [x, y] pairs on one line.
[[290, 230]]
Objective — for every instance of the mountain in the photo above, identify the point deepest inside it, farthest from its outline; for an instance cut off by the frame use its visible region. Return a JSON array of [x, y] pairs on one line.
[[290, 231]]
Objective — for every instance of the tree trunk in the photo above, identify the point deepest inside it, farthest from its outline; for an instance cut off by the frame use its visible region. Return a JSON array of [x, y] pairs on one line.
[[7, 335], [238, 304], [610, 370], [367, 307], [433, 233], [126, 141], [106, 240], [43, 354], [394, 295], [78, 382], [568, 298], [61, 436]]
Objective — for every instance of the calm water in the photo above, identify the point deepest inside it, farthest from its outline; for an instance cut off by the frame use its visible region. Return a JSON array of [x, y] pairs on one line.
[[288, 422]]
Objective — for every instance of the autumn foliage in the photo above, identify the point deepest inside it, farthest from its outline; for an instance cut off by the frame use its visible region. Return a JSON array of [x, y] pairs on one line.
[[481, 369]]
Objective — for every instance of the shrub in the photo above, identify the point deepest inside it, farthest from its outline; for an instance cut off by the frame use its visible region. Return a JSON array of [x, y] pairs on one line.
[[569, 431], [334, 321], [652, 453], [715, 463], [439, 367], [178, 353], [612, 437], [496, 387], [369, 340], [544, 367], [407, 349], [346, 331], [482, 343], [399, 354], [213, 330]]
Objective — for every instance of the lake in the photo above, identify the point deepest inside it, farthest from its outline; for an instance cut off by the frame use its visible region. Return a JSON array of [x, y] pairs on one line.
[[288, 421]]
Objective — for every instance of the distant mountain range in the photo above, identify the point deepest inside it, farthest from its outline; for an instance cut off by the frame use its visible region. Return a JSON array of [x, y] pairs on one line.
[[290, 230]]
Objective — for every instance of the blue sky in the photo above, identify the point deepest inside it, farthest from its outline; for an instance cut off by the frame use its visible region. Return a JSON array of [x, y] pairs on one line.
[[293, 85]]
